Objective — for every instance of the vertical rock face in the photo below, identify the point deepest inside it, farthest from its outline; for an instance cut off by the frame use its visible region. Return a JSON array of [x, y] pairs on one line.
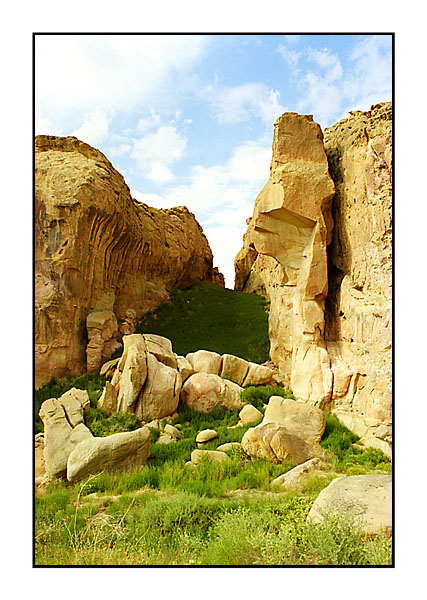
[[330, 320], [359, 305], [97, 249], [284, 255]]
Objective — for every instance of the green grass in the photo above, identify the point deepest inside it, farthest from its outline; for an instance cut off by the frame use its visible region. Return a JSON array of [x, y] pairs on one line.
[[259, 395], [339, 441], [210, 317]]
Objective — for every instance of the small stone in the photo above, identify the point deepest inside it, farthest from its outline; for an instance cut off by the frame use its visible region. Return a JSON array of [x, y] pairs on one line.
[[165, 439], [173, 432], [211, 455], [249, 414], [207, 435]]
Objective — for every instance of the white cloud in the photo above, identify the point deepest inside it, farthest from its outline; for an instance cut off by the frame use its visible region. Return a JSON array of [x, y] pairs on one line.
[[243, 102], [156, 152], [330, 62], [76, 73], [148, 123], [292, 39], [95, 127], [291, 56], [150, 199]]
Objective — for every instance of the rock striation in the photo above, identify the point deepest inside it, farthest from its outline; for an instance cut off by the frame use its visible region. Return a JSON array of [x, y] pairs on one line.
[[319, 247], [284, 255], [359, 305], [97, 249]]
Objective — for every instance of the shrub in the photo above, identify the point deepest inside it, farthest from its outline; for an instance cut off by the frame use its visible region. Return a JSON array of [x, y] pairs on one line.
[[260, 395]]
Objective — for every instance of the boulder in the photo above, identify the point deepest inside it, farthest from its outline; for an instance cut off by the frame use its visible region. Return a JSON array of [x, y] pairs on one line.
[[161, 347], [249, 414], [296, 475], [129, 322], [211, 455], [258, 375], [60, 438], [164, 438], [204, 361], [366, 498], [205, 436], [184, 367], [160, 394], [173, 432], [230, 446], [131, 372], [204, 392], [234, 368], [299, 418], [118, 451], [39, 465], [74, 403], [108, 398], [109, 367]]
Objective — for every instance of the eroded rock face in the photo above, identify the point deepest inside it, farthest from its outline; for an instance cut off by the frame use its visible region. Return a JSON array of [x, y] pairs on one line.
[[330, 321], [97, 249], [284, 255], [359, 305]]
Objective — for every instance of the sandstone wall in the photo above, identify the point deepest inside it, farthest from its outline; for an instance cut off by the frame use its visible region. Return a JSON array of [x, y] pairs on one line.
[[359, 305], [284, 255], [337, 314], [98, 249]]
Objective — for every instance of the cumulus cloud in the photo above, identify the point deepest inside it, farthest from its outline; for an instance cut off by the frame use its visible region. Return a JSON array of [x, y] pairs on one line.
[[76, 73], [155, 152], [243, 102], [95, 127], [291, 56], [327, 61]]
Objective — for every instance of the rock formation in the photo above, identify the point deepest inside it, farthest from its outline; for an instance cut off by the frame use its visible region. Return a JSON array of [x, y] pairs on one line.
[[284, 255], [97, 249], [359, 305], [330, 316]]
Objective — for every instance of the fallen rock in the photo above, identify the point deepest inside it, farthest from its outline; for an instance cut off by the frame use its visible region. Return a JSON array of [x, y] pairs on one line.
[[205, 436], [160, 395], [230, 446], [211, 455], [296, 475], [173, 432], [39, 466], [74, 402], [367, 498], [249, 414], [131, 372], [109, 366], [299, 418], [204, 361], [184, 367], [204, 392], [108, 398], [118, 451], [164, 438], [258, 375], [129, 322], [234, 368], [60, 438], [161, 347]]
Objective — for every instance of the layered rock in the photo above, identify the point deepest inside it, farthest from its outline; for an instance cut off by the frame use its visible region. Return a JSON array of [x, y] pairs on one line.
[[359, 305], [330, 320], [97, 249], [284, 255]]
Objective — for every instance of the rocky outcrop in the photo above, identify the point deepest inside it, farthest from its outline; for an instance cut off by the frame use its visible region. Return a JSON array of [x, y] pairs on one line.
[[359, 305], [284, 255], [97, 249], [365, 498], [330, 317]]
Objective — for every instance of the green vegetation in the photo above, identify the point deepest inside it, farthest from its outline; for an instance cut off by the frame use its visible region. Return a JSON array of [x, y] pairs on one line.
[[210, 317], [259, 395], [347, 457]]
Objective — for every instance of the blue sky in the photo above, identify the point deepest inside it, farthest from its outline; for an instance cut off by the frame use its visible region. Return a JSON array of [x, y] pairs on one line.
[[188, 120]]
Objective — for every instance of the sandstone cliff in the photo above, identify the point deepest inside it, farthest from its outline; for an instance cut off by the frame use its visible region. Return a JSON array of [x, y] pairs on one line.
[[330, 317], [98, 249]]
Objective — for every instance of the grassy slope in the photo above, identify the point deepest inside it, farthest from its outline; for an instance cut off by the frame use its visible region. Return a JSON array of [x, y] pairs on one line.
[[209, 317]]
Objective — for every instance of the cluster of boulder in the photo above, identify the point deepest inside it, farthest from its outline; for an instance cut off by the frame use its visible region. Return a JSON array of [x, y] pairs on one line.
[[71, 451], [149, 379]]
